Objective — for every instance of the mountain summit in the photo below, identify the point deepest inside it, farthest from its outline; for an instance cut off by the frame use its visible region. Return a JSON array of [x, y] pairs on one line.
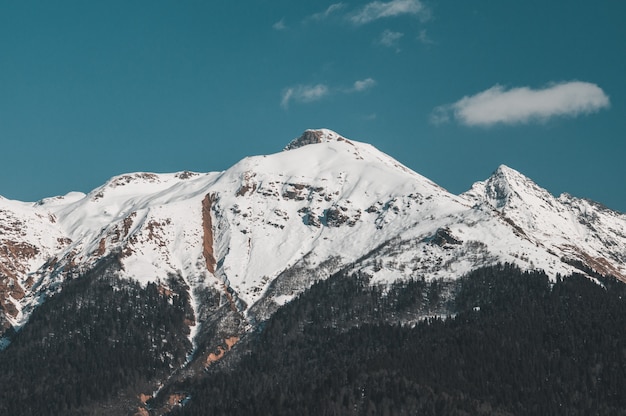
[[315, 136]]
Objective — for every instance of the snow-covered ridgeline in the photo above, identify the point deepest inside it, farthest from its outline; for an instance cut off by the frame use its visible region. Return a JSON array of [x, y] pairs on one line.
[[325, 197]]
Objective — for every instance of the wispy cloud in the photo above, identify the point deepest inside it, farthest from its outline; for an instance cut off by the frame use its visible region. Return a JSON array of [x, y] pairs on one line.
[[363, 85], [378, 10], [390, 39], [304, 94], [523, 105], [280, 25], [424, 38], [311, 93], [330, 10]]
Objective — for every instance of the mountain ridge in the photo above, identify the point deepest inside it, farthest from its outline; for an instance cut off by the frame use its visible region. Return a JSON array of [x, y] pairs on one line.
[[325, 202]]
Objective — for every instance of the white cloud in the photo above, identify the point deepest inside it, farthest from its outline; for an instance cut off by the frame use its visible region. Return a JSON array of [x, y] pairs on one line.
[[333, 8], [304, 94], [378, 10], [280, 25], [389, 38], [441, 114], [363, 85], [523, 105], [310, 93], [424, 38]]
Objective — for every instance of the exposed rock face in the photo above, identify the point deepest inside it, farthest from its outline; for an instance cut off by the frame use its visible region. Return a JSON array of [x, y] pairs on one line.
[[248, 184], [14, 257], [221, 350], [310, 218], [315, 136], [186, 174], [443, 238], [207, 227]]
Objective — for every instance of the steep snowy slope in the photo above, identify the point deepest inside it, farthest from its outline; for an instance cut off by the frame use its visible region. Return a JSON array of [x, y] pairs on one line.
[[299, 215], [573, 229], [29, 237], [143, 218], [264, 230]]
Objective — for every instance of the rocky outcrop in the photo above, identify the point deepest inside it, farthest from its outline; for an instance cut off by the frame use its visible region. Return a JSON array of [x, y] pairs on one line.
[[221, 350], [13, 259], [443, 238], [315, 136], [248, 184], [207, 227]]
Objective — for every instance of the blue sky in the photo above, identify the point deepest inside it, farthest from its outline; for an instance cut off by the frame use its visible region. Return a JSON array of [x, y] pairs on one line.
[[89, 90]]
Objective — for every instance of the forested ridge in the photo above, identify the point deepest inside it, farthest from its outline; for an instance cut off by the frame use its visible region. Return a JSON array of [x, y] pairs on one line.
[[92, 347], [516, 345], [497, 341]]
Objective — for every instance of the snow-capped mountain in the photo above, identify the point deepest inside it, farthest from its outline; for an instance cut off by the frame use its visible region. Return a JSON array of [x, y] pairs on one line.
[[572, 228], [264, 230]]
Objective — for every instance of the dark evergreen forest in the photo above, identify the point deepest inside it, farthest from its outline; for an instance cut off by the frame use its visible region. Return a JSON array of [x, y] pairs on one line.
[[517, 345], [513, 344], [100, 338]]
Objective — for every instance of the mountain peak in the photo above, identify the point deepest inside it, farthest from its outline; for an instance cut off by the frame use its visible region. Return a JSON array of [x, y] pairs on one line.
[[314, 136], [509, 174], [506, 181], [505, 170], [506, 188]]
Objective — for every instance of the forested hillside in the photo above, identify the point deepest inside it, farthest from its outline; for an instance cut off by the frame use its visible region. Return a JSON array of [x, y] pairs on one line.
[[516, 345], [497, 341], [93, 346]]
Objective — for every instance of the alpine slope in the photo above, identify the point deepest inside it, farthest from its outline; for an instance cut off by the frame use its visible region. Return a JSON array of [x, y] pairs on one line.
[[265, 230]]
